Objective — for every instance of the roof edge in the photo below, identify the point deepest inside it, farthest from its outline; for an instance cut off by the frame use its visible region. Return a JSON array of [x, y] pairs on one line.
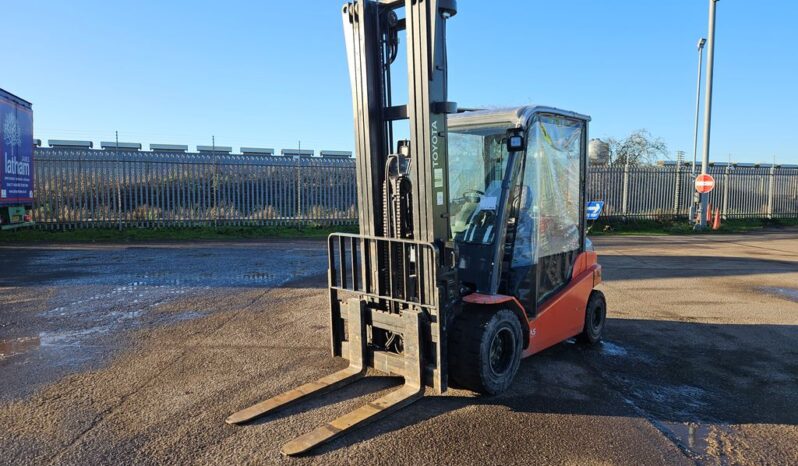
[[516, 116]]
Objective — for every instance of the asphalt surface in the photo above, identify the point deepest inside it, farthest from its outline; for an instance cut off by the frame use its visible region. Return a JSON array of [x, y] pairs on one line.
[[137, 354]]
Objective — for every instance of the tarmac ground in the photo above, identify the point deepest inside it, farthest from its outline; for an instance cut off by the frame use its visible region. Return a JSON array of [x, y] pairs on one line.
[[137, 353]]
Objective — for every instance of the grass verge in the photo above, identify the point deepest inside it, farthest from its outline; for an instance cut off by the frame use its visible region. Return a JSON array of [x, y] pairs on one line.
[[683, 227], [171, 234], [599, 228]]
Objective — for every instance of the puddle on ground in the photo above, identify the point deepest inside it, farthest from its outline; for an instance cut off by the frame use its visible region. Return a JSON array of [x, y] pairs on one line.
[[696, 437], [47, 340], [71, 338], [682, 400], [611, 349], [619, 352], [692, 436], [788, 293], [96, 297], [658, 402], [16, 346]]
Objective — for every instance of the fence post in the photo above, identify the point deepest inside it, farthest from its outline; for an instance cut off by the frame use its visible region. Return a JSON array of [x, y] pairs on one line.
[[625, 195], [118, 177], [119, 168], [298, 199], [215, 186], [771, 190], [148, 196], [726, 181], [678, 189]]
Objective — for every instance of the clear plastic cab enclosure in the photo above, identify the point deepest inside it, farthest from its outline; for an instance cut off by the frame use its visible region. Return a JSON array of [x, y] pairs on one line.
[[531, 200]]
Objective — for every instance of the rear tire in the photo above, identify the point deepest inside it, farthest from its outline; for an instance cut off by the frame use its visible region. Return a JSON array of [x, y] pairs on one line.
[[595, 318], [485, 350]]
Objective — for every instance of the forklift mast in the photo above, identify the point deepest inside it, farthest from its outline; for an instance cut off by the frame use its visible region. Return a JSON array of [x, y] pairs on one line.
[[402, 184], [372, 30]]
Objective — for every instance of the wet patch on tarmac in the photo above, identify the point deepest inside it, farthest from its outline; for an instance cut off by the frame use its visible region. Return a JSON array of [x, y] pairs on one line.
[[668, 408], [612, 349], [679, 408], [98, 295], [16, 346], [676, 410], [790, 294], [692, 437], [697, 439], [615, 350]]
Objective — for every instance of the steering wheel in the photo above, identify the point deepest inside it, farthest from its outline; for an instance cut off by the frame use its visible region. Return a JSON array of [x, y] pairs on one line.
[[472, 195]]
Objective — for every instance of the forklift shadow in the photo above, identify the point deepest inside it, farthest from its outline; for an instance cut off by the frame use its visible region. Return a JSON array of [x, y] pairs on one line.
[[667, 372], [646, 267]]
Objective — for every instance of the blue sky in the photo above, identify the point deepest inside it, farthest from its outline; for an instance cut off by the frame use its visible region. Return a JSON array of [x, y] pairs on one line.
[[268, 73]]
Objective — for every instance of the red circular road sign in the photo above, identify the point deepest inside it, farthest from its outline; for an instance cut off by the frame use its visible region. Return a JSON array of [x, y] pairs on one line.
[[704, 183]]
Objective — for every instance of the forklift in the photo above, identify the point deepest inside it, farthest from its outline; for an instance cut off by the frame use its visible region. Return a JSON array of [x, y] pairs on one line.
[[472, 251]]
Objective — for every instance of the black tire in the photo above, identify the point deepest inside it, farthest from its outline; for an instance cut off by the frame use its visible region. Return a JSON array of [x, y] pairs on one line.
[[485, 350], [595, 318]]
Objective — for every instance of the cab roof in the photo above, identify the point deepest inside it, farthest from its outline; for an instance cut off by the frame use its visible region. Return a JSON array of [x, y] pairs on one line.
[[518, 117]]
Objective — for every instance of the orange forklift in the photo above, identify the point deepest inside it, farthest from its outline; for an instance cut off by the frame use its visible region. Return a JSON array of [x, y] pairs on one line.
[[472, 251]]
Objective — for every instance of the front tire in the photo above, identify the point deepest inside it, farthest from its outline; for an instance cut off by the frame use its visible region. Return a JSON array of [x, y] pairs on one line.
[[485, 350], [595, 318]]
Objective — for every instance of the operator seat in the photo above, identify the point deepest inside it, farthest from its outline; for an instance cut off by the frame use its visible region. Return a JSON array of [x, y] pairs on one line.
[[482, 224]]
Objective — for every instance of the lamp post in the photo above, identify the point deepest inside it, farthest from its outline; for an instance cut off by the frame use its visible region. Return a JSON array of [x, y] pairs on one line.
[[708, 107], [701, 43]]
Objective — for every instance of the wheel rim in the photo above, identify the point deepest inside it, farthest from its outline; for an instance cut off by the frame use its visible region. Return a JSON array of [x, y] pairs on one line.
[[501, 351], [596, 319]]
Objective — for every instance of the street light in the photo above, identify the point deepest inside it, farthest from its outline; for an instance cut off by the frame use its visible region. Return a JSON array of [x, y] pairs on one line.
[[708, 107], [700, 46], [701, 43]]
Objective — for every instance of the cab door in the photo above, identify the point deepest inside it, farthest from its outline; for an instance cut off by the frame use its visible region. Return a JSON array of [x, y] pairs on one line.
[[549, 217]]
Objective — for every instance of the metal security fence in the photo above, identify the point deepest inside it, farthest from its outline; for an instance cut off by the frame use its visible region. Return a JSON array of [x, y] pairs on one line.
[[95, 188], [85, 188], [667, 192]]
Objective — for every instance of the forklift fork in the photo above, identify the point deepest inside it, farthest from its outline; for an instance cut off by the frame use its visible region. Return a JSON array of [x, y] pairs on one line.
[[369, 412], [410, 391], [323, 385]]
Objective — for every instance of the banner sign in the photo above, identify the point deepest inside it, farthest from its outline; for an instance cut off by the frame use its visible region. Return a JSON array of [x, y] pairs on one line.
[[16, 139]]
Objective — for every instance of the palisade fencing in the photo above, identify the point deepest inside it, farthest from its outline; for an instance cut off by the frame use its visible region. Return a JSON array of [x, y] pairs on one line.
[[82, 188], [655, 192], [99, 188]]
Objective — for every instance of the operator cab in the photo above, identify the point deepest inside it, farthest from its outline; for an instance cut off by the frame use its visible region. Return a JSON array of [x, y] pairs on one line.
[[516, 212]]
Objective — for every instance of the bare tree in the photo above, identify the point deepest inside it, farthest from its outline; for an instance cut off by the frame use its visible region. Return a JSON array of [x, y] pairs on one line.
[[639, 148], [12, 133]]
